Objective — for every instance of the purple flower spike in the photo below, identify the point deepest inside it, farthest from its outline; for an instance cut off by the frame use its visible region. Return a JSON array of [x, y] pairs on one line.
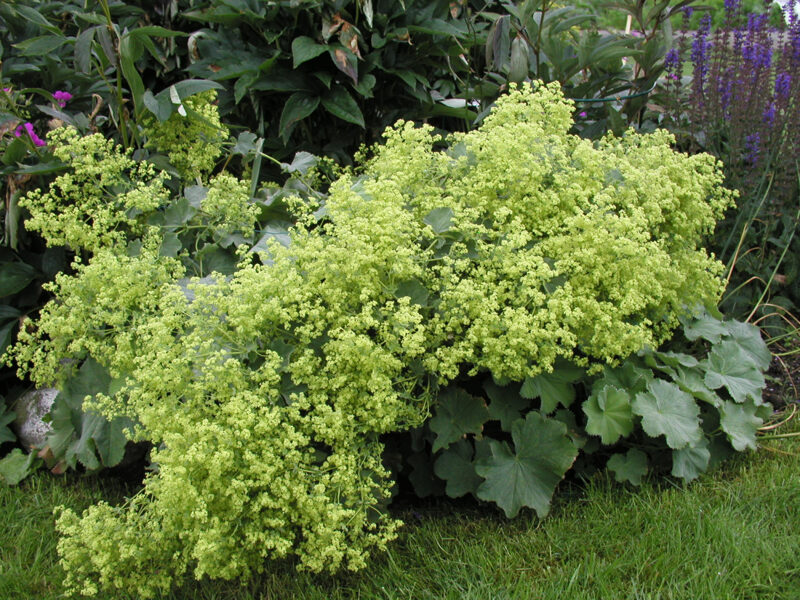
[[732, 10], [769, 114], [701, 52], [783, 83], [671, 60], [62, 98], [752, 145]]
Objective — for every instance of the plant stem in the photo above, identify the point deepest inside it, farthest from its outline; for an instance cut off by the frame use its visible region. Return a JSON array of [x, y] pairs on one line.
[[123, 127]]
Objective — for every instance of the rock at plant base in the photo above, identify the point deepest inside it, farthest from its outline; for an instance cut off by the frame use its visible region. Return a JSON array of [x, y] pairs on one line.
[[31, 409]]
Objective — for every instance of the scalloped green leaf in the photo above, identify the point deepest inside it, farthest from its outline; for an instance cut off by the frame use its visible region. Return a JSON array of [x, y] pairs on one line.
[[455, 466], [688, 463], [62, 430], [550, 389], [731, 366], [506, 404], [440, 219], [740, 423], [414, 290], [456, 414], [575, 432], [301, 163], [628, 376], [82, 435], [704, 326], [609, 414], [16, 466], [528, 474], [748, 337], [691, 380], [553, 388], [676, 359], [669, 411], [629, 467], [170, 245]]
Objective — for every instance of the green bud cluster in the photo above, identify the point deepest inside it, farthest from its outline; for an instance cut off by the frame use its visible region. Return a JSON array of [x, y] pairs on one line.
[[192, 141], [100, 200], [266, 392]]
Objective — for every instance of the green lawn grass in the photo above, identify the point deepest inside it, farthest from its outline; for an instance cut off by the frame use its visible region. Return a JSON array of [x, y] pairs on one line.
[[734, 533]]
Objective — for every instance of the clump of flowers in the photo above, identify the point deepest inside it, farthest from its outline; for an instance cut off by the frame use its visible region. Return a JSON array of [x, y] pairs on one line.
[[741, 106], [192, 140], [267, 393], [83, 208], [742, 102], [62, 98], [28, 128]]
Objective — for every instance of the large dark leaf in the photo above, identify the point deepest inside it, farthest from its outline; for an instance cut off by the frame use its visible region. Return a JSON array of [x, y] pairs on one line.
[[6, 418], [528, 474], [40, 45], [15, 276], [130, 50], [456, 414], [346, 62], [297, 107], [455, 466], [340, 104], [304, 49], [83, 49]]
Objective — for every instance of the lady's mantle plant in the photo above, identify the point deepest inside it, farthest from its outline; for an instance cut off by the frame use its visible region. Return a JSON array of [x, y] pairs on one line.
[[266, 392]]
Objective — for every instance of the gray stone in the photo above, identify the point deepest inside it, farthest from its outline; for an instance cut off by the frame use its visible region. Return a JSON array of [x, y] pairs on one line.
[[31, 409]]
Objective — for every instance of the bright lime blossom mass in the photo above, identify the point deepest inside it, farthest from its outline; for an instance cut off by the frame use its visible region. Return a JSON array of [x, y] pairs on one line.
[[266, 392]]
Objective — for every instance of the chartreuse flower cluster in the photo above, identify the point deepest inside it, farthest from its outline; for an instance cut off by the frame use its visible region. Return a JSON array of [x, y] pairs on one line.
[[192, 141], [266, 392], [84, 208]]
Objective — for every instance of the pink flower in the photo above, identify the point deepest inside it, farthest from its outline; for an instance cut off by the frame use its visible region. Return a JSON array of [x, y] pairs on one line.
[[29, 128], [582, 115], [62, 97]]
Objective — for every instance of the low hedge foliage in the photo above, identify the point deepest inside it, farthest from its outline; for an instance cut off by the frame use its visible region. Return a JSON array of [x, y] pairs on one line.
[[485, 279]]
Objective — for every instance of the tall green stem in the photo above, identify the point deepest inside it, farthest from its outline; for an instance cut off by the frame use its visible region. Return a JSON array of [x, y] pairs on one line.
[[539, 36], [123, 126]]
